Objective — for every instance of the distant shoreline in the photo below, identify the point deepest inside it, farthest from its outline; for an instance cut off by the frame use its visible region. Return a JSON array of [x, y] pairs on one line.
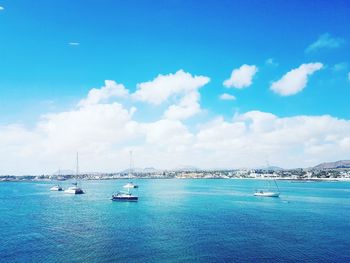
[[312, 180]]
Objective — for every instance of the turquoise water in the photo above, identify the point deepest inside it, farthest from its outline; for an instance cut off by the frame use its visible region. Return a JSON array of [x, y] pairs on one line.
[[176, 221]]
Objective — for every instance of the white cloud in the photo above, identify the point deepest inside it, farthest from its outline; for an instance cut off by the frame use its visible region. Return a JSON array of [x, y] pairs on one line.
[[325, 41], [74, 43], [187, 107], [295, 80], [103, 131], [241, 77], [226, 96], [163, 87], [110, 90], [2, 8], [250, 138]]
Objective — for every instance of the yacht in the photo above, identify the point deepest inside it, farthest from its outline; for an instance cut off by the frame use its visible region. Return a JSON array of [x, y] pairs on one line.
[[268, 192], [121, 196], [56, 188], [263, 193], [75, 189], [130, 185]]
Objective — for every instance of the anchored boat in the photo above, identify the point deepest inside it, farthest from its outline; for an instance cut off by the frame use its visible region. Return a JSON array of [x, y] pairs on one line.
[[75, 189], [130, 184], [56, 188], [269, 192]]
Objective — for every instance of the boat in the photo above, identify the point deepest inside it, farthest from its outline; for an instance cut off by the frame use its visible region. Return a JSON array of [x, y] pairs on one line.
[[130, 184], [124, 196], [268, 192], [121, 196], [56, 188], [75, 189]]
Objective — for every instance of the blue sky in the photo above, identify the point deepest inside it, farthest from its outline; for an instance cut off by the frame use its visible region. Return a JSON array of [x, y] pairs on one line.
[[134, 41]]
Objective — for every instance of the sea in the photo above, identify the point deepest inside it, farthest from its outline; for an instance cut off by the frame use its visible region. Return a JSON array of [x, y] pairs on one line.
[[175, 220]]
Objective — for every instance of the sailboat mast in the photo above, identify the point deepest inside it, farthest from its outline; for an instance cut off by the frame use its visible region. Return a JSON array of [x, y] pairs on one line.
[[77, 168], [130, 165]]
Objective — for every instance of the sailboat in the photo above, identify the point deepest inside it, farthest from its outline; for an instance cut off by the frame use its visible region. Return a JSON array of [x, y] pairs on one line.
[[130, 184], [126, 196], [268, 192], [75, 189], [57, 187]]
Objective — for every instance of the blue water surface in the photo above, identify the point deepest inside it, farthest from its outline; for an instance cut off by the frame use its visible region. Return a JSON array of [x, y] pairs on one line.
[[175, 221]]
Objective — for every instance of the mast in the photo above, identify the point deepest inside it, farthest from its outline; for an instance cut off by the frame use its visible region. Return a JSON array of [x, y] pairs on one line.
[[77, 169], [130, 165]]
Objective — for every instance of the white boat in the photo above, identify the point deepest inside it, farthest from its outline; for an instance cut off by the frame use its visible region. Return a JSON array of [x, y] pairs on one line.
[[266, 193], [56, 188], [130, 185], [75, 189]]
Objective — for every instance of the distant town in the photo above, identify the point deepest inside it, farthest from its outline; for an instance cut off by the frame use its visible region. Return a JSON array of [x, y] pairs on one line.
[[336, 171]]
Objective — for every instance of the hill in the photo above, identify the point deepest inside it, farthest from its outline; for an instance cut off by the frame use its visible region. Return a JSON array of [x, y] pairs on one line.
[[333, 165]]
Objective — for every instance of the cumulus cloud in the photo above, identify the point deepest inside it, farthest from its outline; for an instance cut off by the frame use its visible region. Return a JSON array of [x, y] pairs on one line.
[[241, 77], [103, 131], [110, 90], [325, 41], [289, 142], [226, 96], [295, 80], [163, 87], [187, 107]]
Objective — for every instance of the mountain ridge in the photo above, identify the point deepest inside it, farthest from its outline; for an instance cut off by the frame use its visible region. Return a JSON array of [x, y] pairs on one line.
[[333, 165]]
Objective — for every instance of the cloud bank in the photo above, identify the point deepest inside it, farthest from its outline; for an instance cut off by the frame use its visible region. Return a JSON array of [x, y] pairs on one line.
[[103, 128]]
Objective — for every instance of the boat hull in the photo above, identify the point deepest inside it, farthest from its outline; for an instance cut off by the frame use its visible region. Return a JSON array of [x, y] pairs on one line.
[[56, 188], [76, 191], [125, 199], [267, 194], [121, 197]]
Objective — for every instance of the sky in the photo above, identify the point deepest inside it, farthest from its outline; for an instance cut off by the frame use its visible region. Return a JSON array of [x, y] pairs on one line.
[[210, 84]]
